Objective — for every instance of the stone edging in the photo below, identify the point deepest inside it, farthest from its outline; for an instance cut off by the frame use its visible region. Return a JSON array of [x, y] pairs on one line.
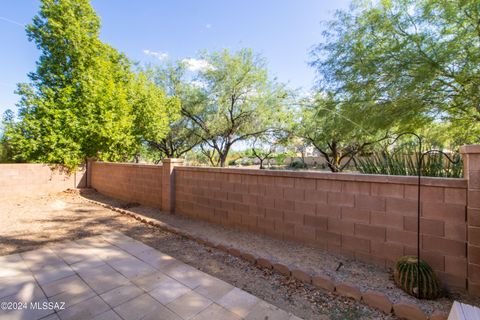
[[374, 299]]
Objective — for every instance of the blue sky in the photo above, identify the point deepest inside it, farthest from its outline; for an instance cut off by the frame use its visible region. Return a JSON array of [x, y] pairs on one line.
[[283, 31]]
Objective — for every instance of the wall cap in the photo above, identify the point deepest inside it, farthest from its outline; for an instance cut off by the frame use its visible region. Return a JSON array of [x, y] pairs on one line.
[[172, 160], [470, 148], [128, 164], [358, 177]]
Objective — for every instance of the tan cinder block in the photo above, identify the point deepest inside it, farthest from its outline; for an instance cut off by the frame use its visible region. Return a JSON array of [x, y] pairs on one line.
[[370, 232], [388, 190], [329, 185], [356, 215], [402, 237], [390, 251], [447, 212], [456, 196], [445, 246], [386, 219], [356, 187], [427, 226], [316, 196], [473, 217], [370, 202], [456, 266], [341, 199], [294, 194], [329, 211], [355, 244], [340, 226], [316, 222], [305, 207], [304, 183]]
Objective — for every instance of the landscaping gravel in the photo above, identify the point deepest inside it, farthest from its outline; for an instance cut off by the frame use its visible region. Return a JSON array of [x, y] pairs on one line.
[[32, 222], [314, 260]]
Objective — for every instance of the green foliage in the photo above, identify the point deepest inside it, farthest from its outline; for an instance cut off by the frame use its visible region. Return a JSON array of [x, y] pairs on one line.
[[236, 102], [298, 164], [326, 124], [79, 101], [392, 163], [154, 112], [411, 61], [182, 135], [416, 278]]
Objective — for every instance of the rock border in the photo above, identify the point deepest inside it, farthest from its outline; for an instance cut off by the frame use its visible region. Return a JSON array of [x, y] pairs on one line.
[[373, 299]]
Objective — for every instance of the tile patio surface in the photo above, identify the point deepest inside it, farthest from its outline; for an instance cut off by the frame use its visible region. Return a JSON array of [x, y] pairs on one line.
[[116, 277]]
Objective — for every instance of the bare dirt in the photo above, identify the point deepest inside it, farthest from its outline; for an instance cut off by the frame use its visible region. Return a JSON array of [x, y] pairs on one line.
[[314, 260], [29, 223]]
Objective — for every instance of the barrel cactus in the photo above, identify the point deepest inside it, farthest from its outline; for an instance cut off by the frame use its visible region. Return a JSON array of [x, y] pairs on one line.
[[405, 276]]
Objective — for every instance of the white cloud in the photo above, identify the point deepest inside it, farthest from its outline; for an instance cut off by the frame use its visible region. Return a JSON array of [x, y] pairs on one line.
[[208, 26], [197, 64], [158, 55]]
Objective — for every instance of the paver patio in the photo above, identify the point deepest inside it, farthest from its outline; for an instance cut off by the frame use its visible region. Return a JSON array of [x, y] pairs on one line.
[[113, 276]]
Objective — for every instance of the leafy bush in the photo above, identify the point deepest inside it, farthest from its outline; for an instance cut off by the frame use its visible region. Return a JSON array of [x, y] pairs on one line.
[[405, 163], [297, 164]]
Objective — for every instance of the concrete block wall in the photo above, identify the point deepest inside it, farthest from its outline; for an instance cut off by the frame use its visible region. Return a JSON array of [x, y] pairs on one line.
[[129, 182], [369, 217], [25, 179], [471, 162]]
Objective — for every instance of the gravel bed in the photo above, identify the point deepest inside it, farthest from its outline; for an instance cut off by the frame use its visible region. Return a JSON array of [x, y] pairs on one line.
[[316, 261], [32, 222]]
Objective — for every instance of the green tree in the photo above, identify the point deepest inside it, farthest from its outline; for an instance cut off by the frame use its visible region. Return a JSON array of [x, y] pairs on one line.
[[183, 134], [155, 115], [77, 104], [413, 61], [327, 125], [240, 102]]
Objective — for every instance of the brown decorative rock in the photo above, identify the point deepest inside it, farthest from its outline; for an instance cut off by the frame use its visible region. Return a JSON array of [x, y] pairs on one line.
[[348, 291], [377, 300], [408, 311], [323, 282], [281, 268], [265, 263], [301, 276], [222, 247], [249, 257], [235, 252], [437, 315]]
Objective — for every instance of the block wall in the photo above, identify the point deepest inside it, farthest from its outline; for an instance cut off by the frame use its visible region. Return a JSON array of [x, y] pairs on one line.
[[129, 182], [21, 179], [369, 217]]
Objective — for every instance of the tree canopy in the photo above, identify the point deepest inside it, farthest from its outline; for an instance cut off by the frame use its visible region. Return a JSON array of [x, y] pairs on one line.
[[80, 100], [239, 102], [412, 61]]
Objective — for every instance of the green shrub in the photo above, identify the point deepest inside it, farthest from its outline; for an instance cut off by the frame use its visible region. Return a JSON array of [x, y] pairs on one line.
[[297, 164], [405, 163]]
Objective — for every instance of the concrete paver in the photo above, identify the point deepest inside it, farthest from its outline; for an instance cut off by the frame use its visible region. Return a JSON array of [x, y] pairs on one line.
[[114, 277]]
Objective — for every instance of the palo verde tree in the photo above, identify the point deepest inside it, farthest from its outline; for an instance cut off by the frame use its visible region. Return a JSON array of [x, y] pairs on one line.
[[333, 129], [77, 104], [154, 114], [183, 134], [416, 60], [239, 103]]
